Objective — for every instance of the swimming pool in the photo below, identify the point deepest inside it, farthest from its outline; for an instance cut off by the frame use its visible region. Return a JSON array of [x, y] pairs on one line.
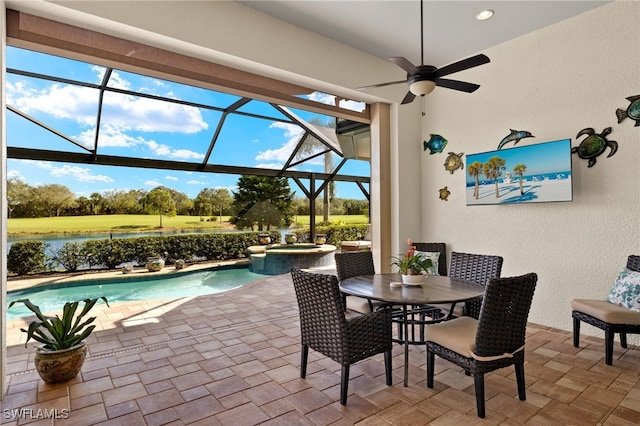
[[186, 284]]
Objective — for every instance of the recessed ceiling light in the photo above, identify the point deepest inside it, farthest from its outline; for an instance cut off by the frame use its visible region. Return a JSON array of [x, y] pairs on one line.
[[484, 15]]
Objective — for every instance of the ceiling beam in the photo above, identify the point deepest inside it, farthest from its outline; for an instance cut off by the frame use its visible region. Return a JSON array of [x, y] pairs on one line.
[[48, 36], [146, 163]]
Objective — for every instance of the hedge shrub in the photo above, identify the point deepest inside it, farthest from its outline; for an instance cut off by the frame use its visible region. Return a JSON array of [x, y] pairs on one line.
[[26, 257]]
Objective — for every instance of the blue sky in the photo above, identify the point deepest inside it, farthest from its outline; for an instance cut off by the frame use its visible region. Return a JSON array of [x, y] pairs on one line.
[[143, 127]]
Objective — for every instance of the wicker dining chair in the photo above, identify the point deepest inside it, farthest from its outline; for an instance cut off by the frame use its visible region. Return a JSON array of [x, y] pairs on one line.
[[495, 340], [324, 327], [478, 268], [437, 248], [608, 317], [350, 264]]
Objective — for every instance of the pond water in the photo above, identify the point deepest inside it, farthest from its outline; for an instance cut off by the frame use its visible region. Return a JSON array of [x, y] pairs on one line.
[[129, 288], [57, 241]]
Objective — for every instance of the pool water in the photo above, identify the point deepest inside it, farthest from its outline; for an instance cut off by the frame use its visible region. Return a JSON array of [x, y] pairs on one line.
[[53, 297]]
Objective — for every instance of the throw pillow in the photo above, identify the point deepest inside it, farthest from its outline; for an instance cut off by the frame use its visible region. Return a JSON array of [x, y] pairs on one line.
[[626, 290], [434, 256]]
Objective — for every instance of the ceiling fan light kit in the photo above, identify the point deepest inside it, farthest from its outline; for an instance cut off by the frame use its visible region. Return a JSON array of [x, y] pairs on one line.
[[421, 88]]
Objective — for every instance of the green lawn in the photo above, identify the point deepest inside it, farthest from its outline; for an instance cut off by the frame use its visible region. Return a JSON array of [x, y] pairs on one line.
[[135, 223], [348, 219], [107, 223]]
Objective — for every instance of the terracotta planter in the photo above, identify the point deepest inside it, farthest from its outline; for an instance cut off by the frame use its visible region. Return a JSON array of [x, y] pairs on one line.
[[60, 366], [264, 239]]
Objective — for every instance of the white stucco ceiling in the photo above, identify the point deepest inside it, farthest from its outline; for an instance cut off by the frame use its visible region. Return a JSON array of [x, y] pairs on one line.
[[392, 28]]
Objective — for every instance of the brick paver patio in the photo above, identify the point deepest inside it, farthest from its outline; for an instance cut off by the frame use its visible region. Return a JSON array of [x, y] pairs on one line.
[[233, 358]]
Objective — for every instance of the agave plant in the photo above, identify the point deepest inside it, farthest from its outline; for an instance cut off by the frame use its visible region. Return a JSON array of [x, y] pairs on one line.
[[60, 333]]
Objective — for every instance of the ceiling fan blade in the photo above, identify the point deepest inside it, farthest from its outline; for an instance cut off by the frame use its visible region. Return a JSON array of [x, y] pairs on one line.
[[382, 84], [463, 86], [404, 64], [408, 98], [464, 64]]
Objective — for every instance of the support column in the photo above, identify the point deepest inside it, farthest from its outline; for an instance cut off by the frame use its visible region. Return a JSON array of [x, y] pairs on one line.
[[3, 204], [380, 186]]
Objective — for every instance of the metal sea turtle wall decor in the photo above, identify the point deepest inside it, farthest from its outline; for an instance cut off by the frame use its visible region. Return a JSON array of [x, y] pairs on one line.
[[594, 145], [444, 193], [632, 111], [453, 162], [435, 144]]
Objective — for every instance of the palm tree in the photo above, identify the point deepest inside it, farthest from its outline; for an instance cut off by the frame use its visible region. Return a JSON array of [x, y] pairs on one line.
[[311, 146], [474, 170], [493, 170], [519, 170]]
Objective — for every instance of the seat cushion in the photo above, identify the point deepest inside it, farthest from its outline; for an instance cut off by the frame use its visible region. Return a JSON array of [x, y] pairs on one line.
[[360, 304], [605, 311], [459, 334]]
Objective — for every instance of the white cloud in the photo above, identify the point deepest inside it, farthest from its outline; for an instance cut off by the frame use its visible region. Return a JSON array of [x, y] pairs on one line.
[[169, 177], [130, 113], [15, 174], [42, 164], [281, 155], [115, 137], [79, 173], [323, 98], [195, 182], [276, 166], [153, 183], [186, 154]]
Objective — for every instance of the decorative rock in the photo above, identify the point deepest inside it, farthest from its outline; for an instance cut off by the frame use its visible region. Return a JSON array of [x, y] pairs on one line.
[[127, 268], [180, 264]]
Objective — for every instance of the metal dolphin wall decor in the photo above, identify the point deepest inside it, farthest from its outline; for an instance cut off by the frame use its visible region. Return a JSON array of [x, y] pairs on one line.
[[515, 135]]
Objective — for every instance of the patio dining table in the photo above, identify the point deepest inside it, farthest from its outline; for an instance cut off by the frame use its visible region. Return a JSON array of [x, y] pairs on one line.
[[434, 290]]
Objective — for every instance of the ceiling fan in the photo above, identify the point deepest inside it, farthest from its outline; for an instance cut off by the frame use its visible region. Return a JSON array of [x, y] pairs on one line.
[[422, 79]]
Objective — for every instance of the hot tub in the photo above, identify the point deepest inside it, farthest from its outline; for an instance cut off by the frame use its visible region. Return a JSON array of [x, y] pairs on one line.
[[278, 259]]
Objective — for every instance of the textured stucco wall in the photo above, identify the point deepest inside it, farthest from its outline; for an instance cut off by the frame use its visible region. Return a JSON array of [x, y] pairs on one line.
[[553, 82]]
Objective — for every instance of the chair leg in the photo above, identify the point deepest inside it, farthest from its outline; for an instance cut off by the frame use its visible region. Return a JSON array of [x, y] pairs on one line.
[[608, 347], [479, 385], [522, 391], [431, 359], [576, 332], [623, 339], [304, 355], [388, 368], [344, 384]]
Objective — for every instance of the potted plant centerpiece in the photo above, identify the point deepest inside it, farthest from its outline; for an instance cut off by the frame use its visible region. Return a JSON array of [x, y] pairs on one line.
[[64, 347], [413, 266]]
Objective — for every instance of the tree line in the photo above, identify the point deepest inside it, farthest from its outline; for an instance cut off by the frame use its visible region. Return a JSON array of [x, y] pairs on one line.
[[259, 201]]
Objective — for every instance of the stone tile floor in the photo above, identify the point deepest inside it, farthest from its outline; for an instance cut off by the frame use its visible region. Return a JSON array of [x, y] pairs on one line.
[[234, 357]]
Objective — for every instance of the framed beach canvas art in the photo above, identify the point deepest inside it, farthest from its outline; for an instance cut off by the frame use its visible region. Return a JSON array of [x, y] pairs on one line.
[[537, 173]]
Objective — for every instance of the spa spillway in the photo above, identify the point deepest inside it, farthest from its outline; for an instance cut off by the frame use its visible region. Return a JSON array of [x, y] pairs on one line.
[[278, 259]]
